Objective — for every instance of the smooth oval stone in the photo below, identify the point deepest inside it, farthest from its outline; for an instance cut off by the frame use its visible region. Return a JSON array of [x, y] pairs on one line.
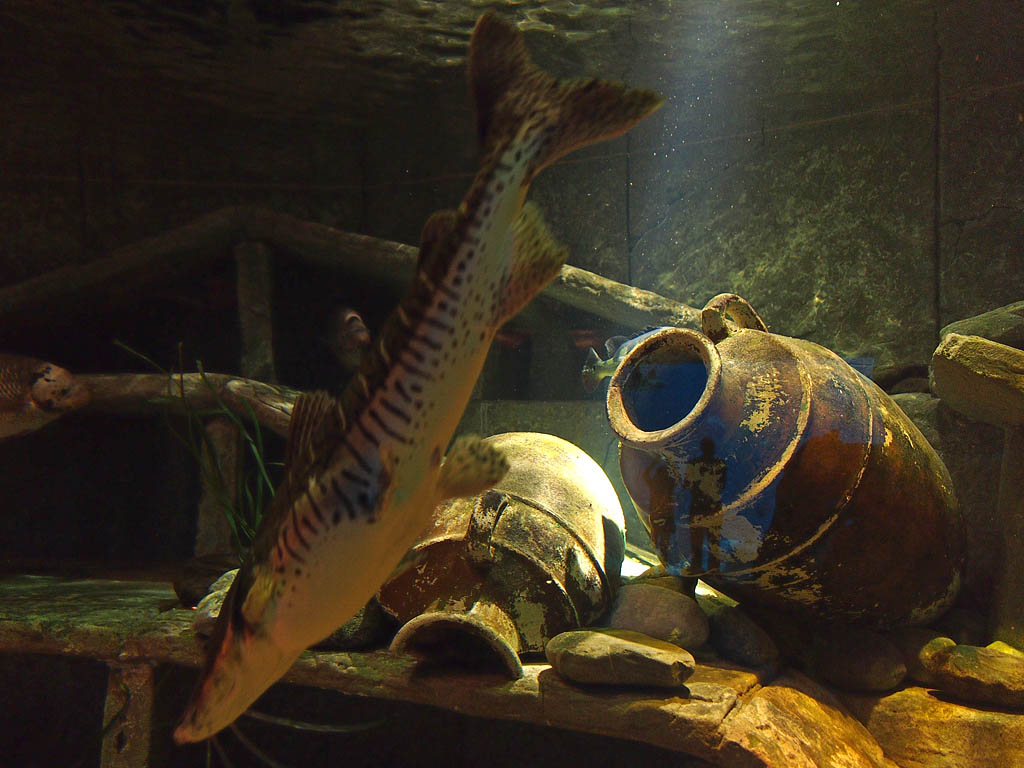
[[208, 609], [857, 659], [658, 576], [661, 613], [978, 675], [965, 626], [999, 645], [618, 657], [916, 643], [736, 636]]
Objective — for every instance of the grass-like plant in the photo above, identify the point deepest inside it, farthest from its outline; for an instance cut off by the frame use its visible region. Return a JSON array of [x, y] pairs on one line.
[[253, 488]]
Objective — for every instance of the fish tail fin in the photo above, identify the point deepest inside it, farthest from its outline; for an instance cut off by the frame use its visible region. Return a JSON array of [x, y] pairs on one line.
[[512, 94], [589, 372], [535, 263]]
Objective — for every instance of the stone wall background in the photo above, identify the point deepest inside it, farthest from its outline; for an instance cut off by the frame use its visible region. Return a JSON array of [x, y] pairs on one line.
[[854, 169]]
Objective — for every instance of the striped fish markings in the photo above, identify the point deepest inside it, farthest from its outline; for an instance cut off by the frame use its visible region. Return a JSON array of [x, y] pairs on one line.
[[364, 474]]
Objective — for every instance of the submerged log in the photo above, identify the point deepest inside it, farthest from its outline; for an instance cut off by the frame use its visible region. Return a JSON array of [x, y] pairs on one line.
[[152, 393], [118, 279]]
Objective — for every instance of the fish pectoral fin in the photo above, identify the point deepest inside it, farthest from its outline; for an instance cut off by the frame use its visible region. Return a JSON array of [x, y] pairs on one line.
[[259, 597], [535, 263], [471, 467]]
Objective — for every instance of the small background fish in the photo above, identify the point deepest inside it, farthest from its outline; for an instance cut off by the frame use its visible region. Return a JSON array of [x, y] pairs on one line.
[[595, 370], [348, 337], [34, 392]]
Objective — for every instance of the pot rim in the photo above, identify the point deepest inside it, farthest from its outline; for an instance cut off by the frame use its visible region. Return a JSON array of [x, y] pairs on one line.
[[684, 338]]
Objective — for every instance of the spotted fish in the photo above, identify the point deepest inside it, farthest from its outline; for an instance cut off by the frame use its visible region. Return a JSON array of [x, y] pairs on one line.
[[34, 393], [364, 473]]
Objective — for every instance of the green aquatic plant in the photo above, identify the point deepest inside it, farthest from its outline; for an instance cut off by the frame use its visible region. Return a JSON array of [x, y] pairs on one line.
[[242, 498]]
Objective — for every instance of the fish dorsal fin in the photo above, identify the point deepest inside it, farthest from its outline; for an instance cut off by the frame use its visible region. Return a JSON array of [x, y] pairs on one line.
[[537, 260], [511, 93], [434, 243], [611, 345], [317, 424]]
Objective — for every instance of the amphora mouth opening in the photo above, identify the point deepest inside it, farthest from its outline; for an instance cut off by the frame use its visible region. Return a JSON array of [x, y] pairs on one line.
[[663, 387]]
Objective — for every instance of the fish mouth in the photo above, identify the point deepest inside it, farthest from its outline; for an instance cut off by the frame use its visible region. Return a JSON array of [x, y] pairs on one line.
[[243, 669]]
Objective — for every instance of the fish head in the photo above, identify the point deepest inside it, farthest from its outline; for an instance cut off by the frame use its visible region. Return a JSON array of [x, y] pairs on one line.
[[590, 375], [55, 390], [348, 338], [350, 332], [242, 662]]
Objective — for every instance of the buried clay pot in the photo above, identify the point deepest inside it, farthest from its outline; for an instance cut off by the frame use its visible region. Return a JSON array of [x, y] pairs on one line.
[[502, 573], [781, 476]]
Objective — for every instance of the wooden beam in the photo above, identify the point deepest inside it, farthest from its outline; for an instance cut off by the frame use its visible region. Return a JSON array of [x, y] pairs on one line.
[[154, 393], [127, 716], [118, 278]]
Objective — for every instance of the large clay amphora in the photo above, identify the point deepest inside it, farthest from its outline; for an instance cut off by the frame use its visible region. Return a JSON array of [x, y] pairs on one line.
[[780, 475], [502, 573]]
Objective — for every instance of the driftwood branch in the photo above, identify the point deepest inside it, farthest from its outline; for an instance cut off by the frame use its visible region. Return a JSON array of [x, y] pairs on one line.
[[147, 393], [622, 304], [116, 279]]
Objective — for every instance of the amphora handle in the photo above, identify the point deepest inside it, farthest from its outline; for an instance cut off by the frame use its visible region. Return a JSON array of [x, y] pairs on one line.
[[725, 309]]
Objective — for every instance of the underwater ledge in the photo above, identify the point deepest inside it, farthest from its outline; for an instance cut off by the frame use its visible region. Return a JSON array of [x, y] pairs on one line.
[[730, 717]]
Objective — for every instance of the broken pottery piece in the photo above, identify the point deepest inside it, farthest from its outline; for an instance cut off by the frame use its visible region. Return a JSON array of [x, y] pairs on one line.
[[618, 657], [662, 613], [501, 573], [978, 675]]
